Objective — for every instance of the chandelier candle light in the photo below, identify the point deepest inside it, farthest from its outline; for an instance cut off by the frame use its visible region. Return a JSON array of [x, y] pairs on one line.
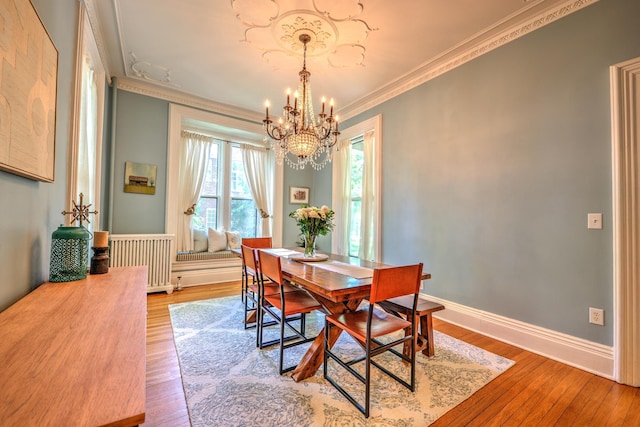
[[298, 133]]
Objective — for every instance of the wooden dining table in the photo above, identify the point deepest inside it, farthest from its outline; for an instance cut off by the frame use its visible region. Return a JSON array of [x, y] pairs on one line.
[[337, 292]]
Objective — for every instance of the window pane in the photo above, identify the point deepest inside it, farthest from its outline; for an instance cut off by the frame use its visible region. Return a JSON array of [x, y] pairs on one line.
[[357, 163], [206, 213], [244, 217], [210, 185], [354, 227], [239, 185]]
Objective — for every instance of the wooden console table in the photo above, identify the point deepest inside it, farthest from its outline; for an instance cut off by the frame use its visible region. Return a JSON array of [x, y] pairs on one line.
[[73, 353]]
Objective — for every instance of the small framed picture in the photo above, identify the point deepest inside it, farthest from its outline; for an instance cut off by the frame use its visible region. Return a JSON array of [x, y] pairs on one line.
[[298, 195], [139, 178]]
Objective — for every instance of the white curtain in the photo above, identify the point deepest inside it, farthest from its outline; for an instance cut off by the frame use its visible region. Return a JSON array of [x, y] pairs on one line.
[[368, 224], [86, 180], [194, 155], [341, 199], [259, 168]]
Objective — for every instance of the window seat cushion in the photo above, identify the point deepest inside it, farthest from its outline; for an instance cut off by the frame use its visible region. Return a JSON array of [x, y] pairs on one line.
[[204, 256]]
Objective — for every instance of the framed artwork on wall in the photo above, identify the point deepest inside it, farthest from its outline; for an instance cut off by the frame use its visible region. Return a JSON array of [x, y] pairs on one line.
[[299, 195], [140, 178], [27, 94]]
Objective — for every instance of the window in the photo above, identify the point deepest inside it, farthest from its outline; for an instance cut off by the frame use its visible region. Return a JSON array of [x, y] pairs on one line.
[[86, 145], [206, 214], [356, 189], [244, 215], [355, 197], [212, 207], [244, 133]]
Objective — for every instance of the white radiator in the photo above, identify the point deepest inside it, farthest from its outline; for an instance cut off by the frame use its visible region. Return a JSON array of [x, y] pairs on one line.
[[153, 250]]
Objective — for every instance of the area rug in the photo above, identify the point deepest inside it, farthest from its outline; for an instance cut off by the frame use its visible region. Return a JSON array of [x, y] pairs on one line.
[[228, 382]]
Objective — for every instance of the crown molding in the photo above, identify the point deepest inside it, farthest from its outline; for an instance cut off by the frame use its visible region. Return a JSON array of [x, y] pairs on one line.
[[182, 98], [467, 51]]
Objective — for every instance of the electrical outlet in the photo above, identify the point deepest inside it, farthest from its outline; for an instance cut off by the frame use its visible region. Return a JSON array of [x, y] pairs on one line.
[[596, 316]]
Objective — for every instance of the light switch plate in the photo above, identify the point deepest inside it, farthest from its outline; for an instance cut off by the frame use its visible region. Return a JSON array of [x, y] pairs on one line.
[[594, 221]]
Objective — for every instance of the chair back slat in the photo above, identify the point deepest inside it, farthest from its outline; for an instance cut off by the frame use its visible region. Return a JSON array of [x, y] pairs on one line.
[[270, 266], [395, 282], [258, 242], [249, 257]]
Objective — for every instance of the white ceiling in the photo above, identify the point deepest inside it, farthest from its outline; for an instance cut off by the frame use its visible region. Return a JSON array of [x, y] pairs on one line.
[[237, 53]]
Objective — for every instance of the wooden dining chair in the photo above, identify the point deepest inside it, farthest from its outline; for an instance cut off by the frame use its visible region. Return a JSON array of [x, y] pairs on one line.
[[253, 299], [369, 324], [252, 242], [285, 308], [258, 242], [250, 287]]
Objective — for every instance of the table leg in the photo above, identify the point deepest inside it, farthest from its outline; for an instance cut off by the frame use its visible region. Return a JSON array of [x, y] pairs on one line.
[[426, 329], [418, 337], [424, 337], [313, 358]]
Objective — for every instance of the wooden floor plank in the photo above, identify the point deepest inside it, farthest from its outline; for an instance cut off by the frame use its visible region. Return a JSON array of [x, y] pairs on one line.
[[166, 404], [556, 400], [522, 400], [619, 413], [495, 395], [614, 406], [535, 391]]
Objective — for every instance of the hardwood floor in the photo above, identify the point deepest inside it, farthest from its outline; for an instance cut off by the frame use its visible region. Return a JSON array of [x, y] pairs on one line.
[[536, 391], [166, 404]]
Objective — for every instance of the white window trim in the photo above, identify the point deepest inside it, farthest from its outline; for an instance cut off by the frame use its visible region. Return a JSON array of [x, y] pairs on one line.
[[247, 131]]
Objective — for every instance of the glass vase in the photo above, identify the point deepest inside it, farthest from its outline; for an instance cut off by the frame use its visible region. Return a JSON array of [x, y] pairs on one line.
[[310, 245]]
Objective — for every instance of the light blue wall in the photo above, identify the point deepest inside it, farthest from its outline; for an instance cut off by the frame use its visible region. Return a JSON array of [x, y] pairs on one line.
[[141, 137], [489, 172], [30, 210], [319, 183]]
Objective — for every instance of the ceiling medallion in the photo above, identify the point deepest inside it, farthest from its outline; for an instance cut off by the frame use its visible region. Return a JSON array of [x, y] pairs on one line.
[[320, 35], [336, 29]]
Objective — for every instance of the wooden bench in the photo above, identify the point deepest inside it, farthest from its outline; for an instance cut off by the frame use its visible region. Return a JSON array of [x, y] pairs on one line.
[[401, 306]]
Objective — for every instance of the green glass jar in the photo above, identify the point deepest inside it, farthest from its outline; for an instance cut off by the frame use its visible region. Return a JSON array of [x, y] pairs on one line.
[[69, 254]]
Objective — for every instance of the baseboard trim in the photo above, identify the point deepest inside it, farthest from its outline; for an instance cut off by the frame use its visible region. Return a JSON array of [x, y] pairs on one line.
[[577, 352], [223, 272], [168, 288]]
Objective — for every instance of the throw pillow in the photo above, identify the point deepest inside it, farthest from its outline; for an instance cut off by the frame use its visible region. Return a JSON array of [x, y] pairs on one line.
[[233, 239], [200, 243], [217, 240]]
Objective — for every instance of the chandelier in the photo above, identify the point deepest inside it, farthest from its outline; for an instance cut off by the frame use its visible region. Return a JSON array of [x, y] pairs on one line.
[[299, 138]]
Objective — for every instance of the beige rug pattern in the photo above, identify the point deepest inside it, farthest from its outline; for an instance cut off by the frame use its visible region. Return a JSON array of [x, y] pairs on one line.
[[228, 382]]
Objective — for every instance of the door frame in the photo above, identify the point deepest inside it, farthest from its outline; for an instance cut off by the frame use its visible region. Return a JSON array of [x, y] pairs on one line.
[[625, 122]]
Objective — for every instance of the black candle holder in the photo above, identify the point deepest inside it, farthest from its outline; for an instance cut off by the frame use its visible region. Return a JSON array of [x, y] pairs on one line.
[[100, 260]]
